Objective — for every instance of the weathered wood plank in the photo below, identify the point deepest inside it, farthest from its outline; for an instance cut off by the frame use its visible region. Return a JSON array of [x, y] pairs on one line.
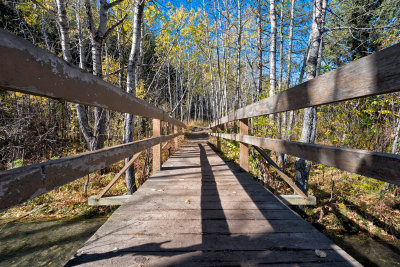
[[107, 201], [191, 242], [212, 258], [298, 200], [372, 75], [22, 184], [32, 70], [381, 166]]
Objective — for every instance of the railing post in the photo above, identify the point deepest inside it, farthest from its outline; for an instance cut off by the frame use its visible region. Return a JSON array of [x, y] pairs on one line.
[[156, 148], [244, 148], [176, 141], [218, 130]]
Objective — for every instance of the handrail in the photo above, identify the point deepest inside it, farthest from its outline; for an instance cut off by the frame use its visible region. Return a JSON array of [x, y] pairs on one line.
[[24, 183], [381, 166], [376, 74], [371, 75], [29, 69]]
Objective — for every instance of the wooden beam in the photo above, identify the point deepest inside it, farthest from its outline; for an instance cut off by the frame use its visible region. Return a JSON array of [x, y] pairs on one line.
[[244, 148], [286, 178], [371, 75], [28, 69], [157, 147], [107, 201], [381, 166], [114, 180], [22, 184], [298, 200]]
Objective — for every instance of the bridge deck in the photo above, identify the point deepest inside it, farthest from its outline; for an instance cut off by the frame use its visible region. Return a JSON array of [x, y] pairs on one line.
[[199, 210]]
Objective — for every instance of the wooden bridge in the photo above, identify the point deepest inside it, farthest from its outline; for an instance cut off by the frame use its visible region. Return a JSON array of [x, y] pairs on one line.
[[197, 209]]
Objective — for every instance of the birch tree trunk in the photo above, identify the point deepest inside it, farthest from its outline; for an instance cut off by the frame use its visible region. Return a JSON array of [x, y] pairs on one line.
[[259, 47], [239, 58], [310, 114], [131, 86], [272, 50], [288, 125]]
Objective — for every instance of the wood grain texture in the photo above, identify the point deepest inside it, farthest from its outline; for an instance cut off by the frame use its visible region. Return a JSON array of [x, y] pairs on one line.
[[28, 69], [372, 75], [381, 166], [22, 184], [244, 148], [157, 147], [188, 214]]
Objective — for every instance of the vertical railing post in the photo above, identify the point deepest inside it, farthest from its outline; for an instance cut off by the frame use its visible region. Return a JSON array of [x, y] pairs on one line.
[[176, 141], [218, 130], [244, 148], [156, 148]]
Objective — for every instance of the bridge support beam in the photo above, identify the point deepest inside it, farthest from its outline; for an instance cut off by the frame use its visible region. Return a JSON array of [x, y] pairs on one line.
[[156, 148], [244, 148]]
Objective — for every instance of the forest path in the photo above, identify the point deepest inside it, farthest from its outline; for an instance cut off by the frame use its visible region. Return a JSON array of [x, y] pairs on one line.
[[200, 210]]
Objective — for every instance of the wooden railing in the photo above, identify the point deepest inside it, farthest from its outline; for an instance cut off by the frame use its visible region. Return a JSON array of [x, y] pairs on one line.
[[29, 69], [376, 74]]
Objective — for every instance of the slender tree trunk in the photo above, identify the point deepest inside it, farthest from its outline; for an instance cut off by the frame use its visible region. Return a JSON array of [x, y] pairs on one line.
[[239, 58], [288, 124], [395, 146], [131, 86], [260, 50], [272, 50], [310, 114]]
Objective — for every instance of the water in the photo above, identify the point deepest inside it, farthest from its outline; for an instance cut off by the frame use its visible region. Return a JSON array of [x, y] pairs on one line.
[[369, 251], [44, 243]]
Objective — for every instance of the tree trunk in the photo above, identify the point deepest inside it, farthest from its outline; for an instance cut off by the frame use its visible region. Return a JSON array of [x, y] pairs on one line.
[[310, 114], [259, 47], [272, 50], [131, 87]]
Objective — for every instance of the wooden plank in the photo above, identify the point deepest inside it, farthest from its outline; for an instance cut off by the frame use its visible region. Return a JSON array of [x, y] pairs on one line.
[[32, 70], [298, 200], [107, 201], [371, 75], [190, 242], [244, 149], [157, 147], [22, 184], [381, 166], [114, 180], [286, 178], [213, 258]]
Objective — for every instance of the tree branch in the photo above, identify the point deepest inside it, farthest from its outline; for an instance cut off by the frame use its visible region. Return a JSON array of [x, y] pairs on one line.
[[112, 4], [114, 25]]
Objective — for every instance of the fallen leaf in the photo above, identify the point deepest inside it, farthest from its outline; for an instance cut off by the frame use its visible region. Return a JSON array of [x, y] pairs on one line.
[[320, 253]]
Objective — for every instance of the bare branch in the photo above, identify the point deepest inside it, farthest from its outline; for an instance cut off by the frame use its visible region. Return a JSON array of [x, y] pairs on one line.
[[114, 25]]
